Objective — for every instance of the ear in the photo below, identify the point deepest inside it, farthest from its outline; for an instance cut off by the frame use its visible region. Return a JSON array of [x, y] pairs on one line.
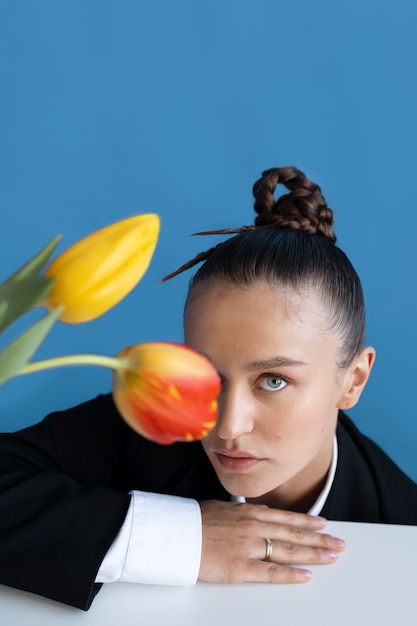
[[356, 378]]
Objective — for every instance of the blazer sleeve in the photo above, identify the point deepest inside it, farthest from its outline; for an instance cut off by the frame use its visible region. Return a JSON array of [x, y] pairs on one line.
[[61, 504]]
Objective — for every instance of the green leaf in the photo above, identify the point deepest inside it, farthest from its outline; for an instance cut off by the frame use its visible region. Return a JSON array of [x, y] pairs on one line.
[[19, 351], [16, 298], [36, 263]]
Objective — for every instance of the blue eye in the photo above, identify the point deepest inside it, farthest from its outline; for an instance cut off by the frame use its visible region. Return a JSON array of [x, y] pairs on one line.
[[272, 383]]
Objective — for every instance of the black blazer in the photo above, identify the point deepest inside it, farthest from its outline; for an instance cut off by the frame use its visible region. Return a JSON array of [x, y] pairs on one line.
[[64, 485]]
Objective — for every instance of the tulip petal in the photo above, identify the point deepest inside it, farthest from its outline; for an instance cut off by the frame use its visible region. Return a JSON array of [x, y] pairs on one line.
[[98, 271], [166, 392]]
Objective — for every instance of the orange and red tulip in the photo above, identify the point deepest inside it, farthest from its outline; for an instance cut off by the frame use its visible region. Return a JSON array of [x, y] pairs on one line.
[[166, 392], [98, 271]]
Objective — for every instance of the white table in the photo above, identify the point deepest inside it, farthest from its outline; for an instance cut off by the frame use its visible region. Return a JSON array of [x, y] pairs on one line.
[[374, 583]]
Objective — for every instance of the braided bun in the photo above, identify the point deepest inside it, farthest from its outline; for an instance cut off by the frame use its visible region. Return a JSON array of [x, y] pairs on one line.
[[303, 209]]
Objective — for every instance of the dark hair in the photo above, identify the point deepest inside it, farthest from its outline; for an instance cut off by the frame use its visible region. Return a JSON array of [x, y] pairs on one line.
[[291, 245]]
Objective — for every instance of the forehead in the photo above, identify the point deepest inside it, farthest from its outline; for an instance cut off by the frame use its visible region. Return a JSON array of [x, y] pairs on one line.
[[256, 321]]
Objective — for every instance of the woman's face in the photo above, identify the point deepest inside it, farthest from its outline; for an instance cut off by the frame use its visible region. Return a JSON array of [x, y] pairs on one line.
[[281, 389]]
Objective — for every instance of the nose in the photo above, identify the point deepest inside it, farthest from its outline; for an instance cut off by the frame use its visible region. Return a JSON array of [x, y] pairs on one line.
[[235, 416]]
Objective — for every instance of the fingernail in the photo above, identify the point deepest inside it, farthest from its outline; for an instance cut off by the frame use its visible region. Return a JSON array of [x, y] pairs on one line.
[[305, 574], [339, 542], [331, 554], [321, 521]]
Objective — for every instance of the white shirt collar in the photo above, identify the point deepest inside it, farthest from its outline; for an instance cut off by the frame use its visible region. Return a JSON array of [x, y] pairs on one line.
[[319, 503]]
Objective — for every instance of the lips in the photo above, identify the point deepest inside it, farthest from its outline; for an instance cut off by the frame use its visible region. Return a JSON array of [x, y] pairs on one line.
[[236, 460]]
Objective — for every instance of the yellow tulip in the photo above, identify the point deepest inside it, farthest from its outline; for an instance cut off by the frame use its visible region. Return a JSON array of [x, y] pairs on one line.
[[166, 392], [98, 271]]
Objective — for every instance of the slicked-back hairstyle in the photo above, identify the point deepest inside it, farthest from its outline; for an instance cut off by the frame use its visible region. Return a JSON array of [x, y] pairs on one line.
[[291, 246]]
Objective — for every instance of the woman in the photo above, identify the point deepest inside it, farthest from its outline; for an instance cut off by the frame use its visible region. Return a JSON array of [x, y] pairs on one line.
[[279, 310]]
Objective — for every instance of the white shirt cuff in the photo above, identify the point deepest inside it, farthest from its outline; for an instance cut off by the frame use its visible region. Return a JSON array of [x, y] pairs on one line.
[[159, 542]]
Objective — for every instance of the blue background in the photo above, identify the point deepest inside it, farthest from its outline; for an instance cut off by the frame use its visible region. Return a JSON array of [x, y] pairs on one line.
[[110, 108]]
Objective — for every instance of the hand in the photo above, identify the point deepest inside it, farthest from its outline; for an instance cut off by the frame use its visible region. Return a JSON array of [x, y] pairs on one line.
[[234, 546]]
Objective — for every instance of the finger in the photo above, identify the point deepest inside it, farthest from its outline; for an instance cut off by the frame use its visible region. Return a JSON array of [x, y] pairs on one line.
[[259, 571], [287, 518], [285, 552], [300, 536]]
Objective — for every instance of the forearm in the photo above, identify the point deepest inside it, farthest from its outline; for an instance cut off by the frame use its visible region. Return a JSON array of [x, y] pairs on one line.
[[54, 534]]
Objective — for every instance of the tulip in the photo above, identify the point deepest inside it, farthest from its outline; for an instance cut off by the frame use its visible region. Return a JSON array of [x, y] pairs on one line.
[[98, 271], [166, 392]]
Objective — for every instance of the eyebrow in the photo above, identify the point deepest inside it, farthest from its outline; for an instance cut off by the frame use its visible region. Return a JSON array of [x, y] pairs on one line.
[[279, 361]]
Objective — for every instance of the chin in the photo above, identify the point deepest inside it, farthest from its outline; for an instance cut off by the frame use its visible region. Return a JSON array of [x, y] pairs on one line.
[[239, 487]]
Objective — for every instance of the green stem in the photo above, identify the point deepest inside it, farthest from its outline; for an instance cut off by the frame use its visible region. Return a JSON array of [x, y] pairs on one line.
[[73, 359]]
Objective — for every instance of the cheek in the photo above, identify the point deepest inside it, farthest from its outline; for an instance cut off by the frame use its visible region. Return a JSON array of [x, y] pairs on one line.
[[302, 415]]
